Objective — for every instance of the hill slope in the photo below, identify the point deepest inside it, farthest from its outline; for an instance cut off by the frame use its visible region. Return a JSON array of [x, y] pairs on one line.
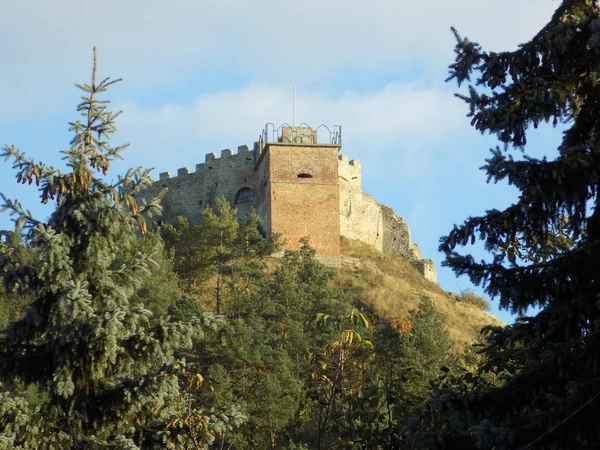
[[392, 287]]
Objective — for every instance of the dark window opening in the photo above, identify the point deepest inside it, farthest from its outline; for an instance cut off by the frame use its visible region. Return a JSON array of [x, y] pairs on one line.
[[304, 175], [244, 195]]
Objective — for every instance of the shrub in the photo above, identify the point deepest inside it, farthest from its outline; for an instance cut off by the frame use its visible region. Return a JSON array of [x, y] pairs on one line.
[[471, 297]]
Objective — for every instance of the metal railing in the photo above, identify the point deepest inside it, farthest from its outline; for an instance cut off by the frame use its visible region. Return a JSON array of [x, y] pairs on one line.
[[301, 134]]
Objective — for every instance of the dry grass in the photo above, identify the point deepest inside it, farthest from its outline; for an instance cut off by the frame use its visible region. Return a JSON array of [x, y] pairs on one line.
[[397, 288], [392, 287]]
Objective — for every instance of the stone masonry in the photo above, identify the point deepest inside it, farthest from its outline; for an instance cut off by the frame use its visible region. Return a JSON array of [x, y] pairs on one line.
[[299, 188]]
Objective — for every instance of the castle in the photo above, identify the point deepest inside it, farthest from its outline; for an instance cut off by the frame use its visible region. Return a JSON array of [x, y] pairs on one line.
[[298, 187]]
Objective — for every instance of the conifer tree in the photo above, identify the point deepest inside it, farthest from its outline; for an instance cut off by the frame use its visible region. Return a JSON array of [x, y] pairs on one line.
[[261, 360], [106, 371], [550, 361], [223, 246]]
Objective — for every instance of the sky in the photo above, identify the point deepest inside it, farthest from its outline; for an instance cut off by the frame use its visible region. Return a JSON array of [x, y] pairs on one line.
[[204, 75]]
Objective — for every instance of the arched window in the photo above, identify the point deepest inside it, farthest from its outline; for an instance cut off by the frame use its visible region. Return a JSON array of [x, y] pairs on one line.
[[243, 196], [304, 175]]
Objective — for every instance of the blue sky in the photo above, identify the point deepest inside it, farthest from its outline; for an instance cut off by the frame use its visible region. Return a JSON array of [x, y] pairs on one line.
[[204, 75]]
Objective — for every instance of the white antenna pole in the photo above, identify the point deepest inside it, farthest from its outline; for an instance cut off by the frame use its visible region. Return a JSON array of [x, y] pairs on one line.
[[294, 106]]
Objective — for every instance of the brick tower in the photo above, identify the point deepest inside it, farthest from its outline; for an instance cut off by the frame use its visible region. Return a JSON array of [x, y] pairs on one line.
[[300, 181]]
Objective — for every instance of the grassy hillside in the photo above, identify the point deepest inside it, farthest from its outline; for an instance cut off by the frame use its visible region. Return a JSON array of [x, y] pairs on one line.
[[392, 286]]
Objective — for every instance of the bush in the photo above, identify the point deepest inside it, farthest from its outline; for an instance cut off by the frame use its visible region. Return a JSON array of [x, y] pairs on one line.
[[471, 297]]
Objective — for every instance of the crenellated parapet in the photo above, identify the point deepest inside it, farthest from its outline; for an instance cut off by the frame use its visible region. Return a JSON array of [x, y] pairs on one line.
[[243, 157], [352, 164], [349, 171], [223, 174]]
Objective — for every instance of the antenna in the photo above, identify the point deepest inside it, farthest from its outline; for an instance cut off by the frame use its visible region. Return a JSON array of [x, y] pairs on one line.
[[294, 106]]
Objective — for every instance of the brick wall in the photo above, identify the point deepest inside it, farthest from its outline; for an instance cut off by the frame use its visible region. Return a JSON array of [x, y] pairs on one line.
[[304, 195]]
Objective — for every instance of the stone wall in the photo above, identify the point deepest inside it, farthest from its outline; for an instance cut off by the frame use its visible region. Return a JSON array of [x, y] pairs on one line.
[[396, 236], [427, 269], [190, 192], [360, 214], [363, 219]]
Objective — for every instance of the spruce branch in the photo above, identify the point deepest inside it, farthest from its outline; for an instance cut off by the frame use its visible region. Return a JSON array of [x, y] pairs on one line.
[[22, 217]]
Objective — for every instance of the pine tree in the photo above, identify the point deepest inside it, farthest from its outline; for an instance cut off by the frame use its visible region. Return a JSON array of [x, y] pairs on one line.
[[550, 361], [13, 307], [105, 371], [191, 259], [225, 248], [261, 357], [408, 355]]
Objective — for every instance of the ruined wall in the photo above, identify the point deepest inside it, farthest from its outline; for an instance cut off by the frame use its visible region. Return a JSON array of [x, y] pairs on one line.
[[360, 214], [364, 219], [427, 269], [396, 236], [304, 195]]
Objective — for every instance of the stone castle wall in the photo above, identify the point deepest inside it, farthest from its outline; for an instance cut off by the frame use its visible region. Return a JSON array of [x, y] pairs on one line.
[[190, 192], [334, 188], [364, 219]]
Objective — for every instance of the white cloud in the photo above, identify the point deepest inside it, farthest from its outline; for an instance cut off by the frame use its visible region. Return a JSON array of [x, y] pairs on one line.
[[46, 45], [412, 121]]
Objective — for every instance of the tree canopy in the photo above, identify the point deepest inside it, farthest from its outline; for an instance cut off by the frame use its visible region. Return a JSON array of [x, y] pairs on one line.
[[106, 372], [545, 247]]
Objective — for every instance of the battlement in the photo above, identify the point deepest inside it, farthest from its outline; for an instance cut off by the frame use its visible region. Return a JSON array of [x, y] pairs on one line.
[[343, 159], [349, 171], [244, 156]]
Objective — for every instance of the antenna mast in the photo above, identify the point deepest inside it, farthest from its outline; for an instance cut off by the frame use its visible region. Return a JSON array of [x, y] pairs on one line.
[[294, 106]]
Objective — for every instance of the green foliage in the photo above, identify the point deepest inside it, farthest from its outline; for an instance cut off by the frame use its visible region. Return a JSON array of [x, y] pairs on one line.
[[545, 246], [190, 257], [160, 291], [471, 297], [223, 247], [337, 373], [428, 346], [13, 307], [296, 363], [261, 357], [408, 355], [235, 248], [107, 370]]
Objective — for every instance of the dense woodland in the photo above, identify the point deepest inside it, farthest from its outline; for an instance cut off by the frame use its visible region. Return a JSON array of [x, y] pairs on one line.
[[117, 335]]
